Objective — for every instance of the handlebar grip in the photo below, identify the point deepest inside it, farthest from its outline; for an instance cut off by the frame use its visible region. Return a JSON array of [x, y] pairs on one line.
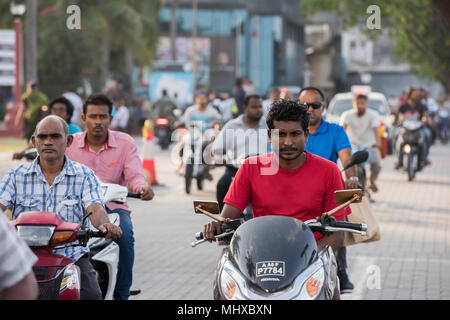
[[134, 195], [199, 236], [97, 234], [349, 225]]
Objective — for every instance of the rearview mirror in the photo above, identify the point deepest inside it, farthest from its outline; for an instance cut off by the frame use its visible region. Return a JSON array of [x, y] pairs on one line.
[[357, 158], [210, 206], [342, 196]]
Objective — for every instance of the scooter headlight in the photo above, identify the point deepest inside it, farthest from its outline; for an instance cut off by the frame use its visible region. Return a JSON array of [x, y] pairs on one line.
[[407, 149], [230, 282], [313, 286], [36, 236]]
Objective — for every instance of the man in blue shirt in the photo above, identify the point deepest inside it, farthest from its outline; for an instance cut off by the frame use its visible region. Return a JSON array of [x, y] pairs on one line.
[[329, 141]]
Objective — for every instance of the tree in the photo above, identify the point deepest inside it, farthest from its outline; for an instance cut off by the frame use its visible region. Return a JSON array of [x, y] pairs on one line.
[[417, 26]]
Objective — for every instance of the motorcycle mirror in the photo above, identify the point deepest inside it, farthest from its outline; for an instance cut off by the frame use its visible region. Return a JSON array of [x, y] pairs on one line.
[[210, 206], [357, 158], [342, 196]]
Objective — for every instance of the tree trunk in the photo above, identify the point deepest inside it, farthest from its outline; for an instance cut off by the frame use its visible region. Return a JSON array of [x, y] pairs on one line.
[[106, 52], [31, 54], [173, 29], [129, 67]]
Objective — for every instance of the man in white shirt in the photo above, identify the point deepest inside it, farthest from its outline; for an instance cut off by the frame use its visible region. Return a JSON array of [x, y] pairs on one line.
[[362, 126]]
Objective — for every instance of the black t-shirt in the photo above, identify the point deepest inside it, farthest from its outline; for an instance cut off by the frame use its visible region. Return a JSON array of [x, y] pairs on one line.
[[409, 110]]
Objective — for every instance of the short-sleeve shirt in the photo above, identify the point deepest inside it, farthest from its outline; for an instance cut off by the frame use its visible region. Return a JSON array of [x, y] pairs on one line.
[[415, 111], [304, 193], [75, 188], [328, 140], [360, 129], [16, 259], [207, 117]]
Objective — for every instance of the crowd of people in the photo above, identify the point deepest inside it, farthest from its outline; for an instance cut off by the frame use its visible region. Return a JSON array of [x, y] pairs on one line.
[[281, 131]]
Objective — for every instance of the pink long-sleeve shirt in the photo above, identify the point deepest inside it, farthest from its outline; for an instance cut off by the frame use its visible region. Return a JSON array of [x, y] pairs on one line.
[[117, 162]]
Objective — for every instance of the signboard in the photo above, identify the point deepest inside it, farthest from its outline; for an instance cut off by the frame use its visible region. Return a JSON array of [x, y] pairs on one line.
[[174, 82], [7, 58]]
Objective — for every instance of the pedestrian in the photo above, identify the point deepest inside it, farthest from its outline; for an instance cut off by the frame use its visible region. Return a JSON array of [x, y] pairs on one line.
[[274, 95], [113, 156], [238, 94], [33, 108], [17, 280], [329, 141]]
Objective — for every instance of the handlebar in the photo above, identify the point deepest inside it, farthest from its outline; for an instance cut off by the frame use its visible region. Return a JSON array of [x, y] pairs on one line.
[[228, 229], [134, 195]]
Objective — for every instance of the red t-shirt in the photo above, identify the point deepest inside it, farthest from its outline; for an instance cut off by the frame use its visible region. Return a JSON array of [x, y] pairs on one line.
[[304, 193]]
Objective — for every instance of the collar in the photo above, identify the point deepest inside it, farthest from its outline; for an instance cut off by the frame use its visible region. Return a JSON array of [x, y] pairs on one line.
[[110, 142], [323, 128], [68, 169]]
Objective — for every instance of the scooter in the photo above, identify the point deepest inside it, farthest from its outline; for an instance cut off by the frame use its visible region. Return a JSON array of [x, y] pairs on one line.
[[57, 276], [443, 125], [276, 257], [409, 146], [163, 132], [194, 144], [283, 268]]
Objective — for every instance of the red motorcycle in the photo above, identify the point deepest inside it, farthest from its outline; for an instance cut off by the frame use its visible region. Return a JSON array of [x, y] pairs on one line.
[[58, 277]]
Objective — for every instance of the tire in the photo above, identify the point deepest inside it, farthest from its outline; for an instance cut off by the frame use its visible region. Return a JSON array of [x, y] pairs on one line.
[[410, 168], [200, 182], [361, 173], [188, 175]]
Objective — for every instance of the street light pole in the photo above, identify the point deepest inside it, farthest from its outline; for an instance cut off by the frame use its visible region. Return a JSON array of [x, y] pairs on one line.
[[17, 87], [194, 44]]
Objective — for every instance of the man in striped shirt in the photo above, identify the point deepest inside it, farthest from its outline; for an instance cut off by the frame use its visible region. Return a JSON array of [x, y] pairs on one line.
[[53, 183]]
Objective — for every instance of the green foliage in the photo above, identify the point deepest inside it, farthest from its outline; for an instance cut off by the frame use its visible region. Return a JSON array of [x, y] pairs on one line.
[[421, 34]]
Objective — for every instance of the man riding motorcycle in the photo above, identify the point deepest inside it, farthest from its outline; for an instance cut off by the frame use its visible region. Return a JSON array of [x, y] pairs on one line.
[[113, 157], [289, 181], [239, 138], [54, 183]]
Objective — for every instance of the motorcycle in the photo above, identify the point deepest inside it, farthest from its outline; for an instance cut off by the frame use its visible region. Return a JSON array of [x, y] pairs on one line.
[[57, 276], [194, 143], [284, 268], [409, 146], [163, 132], [443, 125]]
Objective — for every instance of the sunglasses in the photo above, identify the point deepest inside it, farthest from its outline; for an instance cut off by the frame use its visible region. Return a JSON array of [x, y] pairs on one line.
[[314, 105]]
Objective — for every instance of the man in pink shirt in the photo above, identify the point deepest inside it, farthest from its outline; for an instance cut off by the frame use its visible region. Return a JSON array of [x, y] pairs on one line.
[[113, 156]]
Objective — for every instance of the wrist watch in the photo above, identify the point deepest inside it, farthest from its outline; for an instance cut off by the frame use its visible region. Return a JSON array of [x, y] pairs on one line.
[[354, 178]]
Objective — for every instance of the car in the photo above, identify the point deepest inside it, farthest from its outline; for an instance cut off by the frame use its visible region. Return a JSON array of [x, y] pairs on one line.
[[342, 102]]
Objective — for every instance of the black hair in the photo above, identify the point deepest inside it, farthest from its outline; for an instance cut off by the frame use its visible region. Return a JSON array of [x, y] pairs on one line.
[[66, 102], [322, 96], [249, 97], [98, 99], [288, 110], [360, 96]]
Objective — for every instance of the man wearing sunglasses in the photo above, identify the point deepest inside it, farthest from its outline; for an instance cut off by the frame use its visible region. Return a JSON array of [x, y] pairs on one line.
[[329, 141]]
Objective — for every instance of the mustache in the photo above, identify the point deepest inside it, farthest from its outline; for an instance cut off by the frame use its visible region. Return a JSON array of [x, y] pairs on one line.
[[288, 149]]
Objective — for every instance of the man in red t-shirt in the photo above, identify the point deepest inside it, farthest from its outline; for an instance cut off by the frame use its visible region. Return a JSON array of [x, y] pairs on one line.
[[290, 181]]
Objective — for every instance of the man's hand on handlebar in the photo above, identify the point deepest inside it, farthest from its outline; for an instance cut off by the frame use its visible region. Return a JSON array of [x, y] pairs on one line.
[[112, 231], [147, 194], [211, 229]]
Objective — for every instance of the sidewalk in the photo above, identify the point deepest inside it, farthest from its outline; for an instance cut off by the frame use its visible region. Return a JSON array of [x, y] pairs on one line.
[[412, 258]]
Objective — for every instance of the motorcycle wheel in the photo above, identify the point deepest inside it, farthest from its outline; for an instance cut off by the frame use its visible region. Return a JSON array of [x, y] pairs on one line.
[[444, 135], [200, 182], [411, 167], [188, 177]]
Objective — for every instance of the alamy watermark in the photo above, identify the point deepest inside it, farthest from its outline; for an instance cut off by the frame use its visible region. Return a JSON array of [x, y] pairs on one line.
[[73, 22], [374, 20]]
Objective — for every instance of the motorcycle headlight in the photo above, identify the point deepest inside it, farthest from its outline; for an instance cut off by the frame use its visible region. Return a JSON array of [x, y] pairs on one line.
[[407, 149], [229, 282], [36, 236], [313, 286]]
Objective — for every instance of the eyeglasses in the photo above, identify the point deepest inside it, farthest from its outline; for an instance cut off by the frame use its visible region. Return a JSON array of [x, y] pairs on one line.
[[314, 105]]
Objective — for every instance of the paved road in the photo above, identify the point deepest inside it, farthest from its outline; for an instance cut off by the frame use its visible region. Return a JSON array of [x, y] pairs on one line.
[[409, 262]]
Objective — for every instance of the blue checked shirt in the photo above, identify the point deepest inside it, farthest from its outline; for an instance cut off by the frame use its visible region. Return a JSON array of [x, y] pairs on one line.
[[75, 188]]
